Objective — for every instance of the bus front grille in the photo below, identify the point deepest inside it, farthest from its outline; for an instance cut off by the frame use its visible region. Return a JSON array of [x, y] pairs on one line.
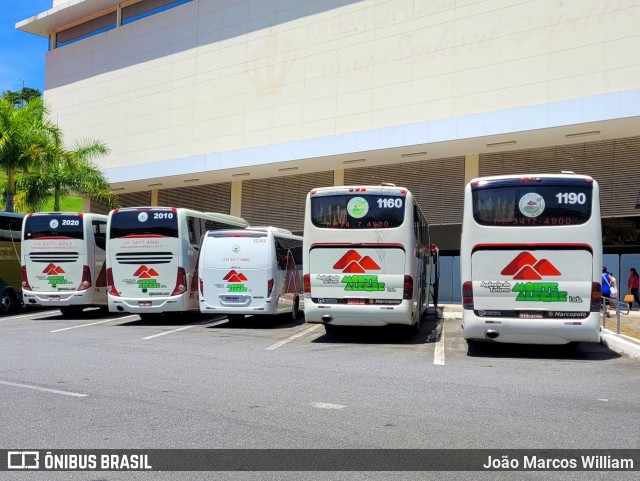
[[57, 257], [144, 257]]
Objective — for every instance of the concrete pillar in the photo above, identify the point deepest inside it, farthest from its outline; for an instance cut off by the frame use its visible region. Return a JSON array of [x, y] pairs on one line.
[[471, 167], [236, 198], [338, 177], [154, 197], [86, 204]]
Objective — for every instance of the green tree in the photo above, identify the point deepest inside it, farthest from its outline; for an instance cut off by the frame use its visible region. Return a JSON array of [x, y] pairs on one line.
[[64, 172], [20, 97], [27, 140]]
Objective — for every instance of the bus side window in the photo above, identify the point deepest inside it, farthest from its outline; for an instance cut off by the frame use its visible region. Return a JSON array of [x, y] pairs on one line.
[[281, 254], [191, 227], [99, 233]]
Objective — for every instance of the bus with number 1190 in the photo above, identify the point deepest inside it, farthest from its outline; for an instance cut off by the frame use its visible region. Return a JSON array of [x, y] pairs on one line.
[[530, 259]]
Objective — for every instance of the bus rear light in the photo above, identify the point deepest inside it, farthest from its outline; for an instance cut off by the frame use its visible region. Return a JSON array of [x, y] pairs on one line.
[[596, 296], [111, 287], [403, 192], [201, 287], [25, 279], [307, 283], [467, 295], [86, 279], [407, 290], [269, 287], [181, 282]]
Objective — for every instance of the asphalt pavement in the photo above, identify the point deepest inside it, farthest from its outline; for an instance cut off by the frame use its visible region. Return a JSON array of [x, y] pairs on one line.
[[111, 381]]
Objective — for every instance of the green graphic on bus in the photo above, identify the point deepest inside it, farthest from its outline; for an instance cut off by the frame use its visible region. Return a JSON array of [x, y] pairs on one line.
[[539, 292], [362, 283]]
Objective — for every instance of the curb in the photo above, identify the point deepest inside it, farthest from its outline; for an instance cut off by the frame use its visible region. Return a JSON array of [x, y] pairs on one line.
[[618, 344]]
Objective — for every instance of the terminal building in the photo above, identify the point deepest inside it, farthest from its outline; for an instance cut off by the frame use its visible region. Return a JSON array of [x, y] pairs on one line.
[[244, 106]]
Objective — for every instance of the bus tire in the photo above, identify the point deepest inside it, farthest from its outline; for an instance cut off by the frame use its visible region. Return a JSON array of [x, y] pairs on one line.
[[330, 329], [8, 302], [295, 309], [235, 318], [71, 311]]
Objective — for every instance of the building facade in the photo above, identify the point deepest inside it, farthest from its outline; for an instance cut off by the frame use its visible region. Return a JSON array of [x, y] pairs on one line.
[[243, 106]]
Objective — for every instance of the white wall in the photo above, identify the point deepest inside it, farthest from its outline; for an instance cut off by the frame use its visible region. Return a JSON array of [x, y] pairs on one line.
[[201, 78]]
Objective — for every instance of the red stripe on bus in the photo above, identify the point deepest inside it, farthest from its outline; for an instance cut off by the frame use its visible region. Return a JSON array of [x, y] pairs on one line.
[[141, 236], [556, 245]]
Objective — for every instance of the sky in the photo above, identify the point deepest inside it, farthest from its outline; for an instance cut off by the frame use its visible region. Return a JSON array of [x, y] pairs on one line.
[[21, 54]]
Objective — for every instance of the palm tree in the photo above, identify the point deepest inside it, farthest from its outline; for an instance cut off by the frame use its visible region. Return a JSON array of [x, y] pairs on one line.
[[27, 139], [65, 172]]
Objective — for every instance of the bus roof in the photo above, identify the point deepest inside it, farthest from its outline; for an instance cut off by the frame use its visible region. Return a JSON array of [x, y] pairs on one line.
[[275, 230], [217, 216], [11, 215], [528, 177], [361, 188]]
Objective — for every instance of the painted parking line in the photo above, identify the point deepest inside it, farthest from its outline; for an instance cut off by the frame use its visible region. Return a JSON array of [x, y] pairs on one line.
[[36, 314], [321, 405], [438, 354], [44, 389], [93, 323], [295, 336], [207, 324]]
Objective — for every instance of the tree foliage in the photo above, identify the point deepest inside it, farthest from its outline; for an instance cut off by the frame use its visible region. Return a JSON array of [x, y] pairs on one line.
[[27, 141]]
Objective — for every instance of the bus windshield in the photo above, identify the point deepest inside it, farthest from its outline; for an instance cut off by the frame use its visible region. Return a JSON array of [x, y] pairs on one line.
[[144, 223], [532, 204], [57, 225], [357, 211]]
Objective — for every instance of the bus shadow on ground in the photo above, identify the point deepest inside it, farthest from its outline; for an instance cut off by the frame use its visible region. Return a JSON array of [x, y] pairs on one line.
[[90, 314], [582, 351], [281, 321], [172, 319], [430, 328]]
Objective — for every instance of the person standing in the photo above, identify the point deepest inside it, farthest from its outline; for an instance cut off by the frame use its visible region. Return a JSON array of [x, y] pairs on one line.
[[606, 288], [633, 284]]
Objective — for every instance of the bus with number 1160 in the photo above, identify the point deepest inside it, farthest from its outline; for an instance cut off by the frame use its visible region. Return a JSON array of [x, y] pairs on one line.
[[368, 259]]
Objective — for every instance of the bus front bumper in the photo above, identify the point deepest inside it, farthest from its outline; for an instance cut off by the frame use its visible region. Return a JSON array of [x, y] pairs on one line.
[[58, 298], [360, 315], [531, 331], [153, 305]]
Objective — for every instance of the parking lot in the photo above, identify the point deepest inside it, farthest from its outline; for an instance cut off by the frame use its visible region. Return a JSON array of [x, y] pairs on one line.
[[107, 381]]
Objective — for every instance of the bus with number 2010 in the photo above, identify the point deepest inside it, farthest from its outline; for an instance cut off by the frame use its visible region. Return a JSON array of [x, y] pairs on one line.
[[531, 258], [152, 258]]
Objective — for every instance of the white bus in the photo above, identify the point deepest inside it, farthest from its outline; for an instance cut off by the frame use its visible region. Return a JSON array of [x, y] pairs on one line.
[[367, 257], [254, 271], [152, 257], [531, 259], [63, 261]]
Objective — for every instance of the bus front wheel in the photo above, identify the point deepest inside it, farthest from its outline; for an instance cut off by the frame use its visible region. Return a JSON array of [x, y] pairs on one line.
[[8, 302], [295, 309], [71, 311], [235, 318]]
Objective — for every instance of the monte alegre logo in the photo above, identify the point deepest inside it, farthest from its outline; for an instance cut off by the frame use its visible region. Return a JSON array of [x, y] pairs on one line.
[[146, 279], [237, 278], [527, 267], [353, 263], [55, 275]]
